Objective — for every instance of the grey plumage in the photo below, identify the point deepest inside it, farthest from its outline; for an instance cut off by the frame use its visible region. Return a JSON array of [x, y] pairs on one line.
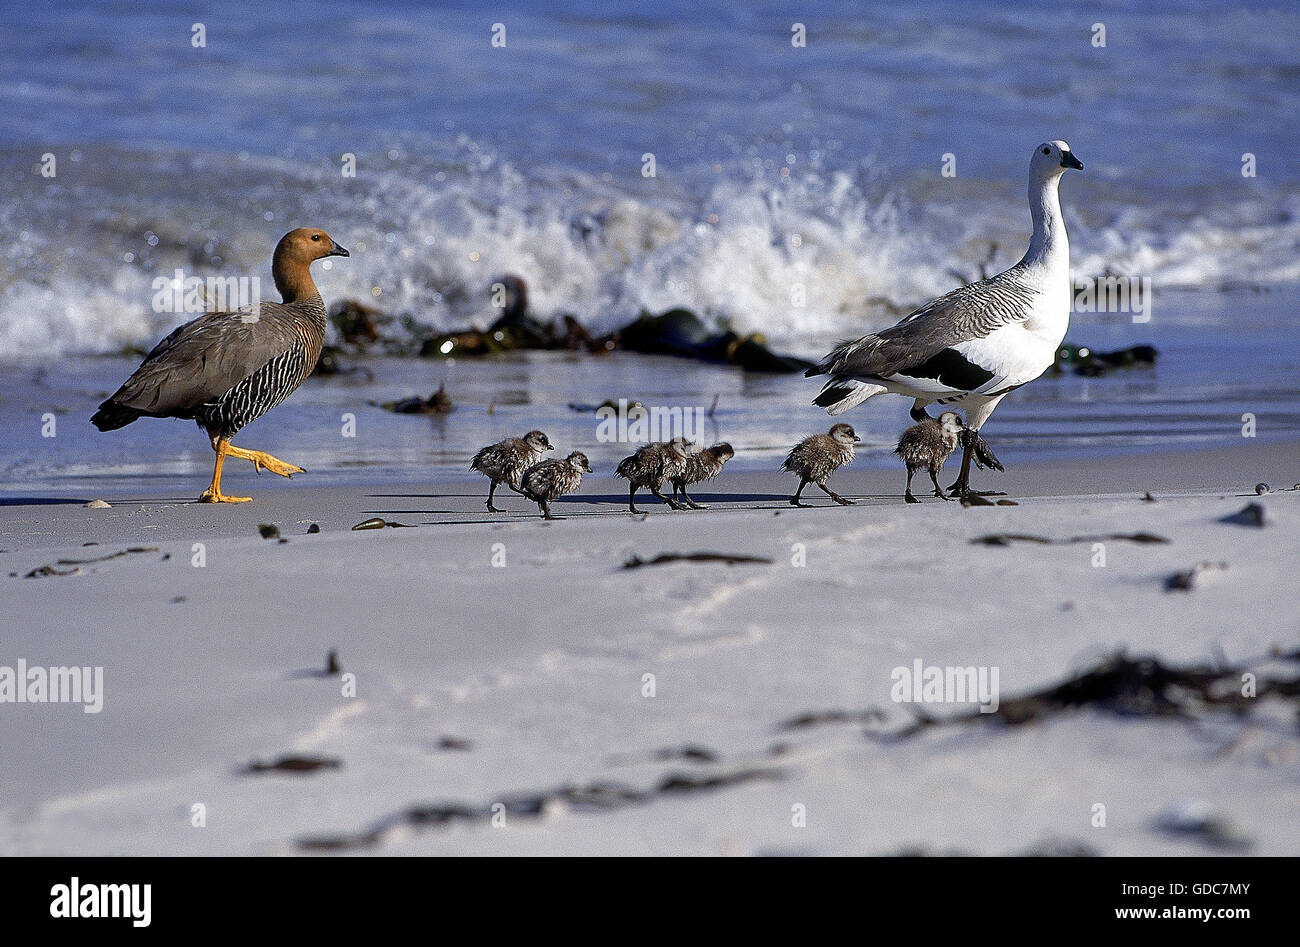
[[815, 458], [545, 481], [223, 370], [927, 445], [506, 461], [968, 312], [699, 467], [651, 465]]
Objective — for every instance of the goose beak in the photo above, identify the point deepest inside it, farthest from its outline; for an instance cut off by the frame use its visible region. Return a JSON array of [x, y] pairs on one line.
[[343, 251], [1068, 160]]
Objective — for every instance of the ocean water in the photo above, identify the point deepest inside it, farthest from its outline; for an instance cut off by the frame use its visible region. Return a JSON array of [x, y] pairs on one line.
[[774, 166], [337, 428]]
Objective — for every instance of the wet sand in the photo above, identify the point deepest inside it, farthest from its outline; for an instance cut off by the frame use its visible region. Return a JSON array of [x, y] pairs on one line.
[[502, 660]]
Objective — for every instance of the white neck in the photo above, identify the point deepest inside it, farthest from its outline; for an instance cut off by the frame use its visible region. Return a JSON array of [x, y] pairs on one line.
[[1049, 246]]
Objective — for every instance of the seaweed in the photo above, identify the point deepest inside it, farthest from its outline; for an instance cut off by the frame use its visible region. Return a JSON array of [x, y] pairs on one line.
[[731, 559], [1006, 539], [292, 764]]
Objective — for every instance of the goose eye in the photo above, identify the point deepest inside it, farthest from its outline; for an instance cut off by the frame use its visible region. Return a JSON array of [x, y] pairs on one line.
[[1047, 151]]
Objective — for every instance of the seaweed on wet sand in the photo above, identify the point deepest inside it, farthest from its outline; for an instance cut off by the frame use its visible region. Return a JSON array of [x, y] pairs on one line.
[[455, 744], [299, 764], [731, 559], [73, 566], [129, 551], [1006, 539], [819, 718], [1118, 684], [595, 796], [1127, 686]]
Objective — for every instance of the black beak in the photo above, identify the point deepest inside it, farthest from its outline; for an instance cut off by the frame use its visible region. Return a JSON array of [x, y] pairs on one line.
[[343, 251], [1068, 160]]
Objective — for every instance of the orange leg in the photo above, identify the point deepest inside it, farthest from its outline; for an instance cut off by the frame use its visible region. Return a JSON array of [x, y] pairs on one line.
[[262, 459], [213, 493]]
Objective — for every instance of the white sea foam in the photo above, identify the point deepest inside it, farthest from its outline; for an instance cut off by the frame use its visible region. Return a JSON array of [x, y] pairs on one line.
[[429, 239], [530, 157]]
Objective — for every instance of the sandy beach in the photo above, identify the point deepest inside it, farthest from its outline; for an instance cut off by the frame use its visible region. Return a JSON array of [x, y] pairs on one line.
[[518, 690], [362, 242]]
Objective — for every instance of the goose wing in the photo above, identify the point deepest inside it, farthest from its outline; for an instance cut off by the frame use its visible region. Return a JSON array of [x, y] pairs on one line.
[[970, 312], [204, 358]]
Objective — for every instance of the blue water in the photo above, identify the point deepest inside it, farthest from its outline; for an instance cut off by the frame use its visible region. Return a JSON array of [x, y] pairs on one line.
[[1182, 402], [775, 166]]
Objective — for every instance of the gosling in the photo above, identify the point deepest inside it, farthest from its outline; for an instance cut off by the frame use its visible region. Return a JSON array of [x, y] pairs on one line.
[[705, 465], [928, 445], [545, 481], [815, 458], [506, 461], [651, 465]]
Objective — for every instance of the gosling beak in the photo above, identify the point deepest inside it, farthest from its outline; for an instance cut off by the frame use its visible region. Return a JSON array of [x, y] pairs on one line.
[[1068, 160], [339, 251]]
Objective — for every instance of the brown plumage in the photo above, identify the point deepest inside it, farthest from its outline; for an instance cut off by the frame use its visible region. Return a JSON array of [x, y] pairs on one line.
[[226, 369], [651, 465], [928, 445], [699, 467], [815, 458], [543, 482], [507, 460]]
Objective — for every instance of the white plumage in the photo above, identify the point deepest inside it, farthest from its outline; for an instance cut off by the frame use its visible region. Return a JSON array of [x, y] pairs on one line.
[[975, 345]]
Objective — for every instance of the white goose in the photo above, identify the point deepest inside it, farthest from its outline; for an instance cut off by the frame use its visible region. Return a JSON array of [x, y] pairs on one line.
[[975, 345]]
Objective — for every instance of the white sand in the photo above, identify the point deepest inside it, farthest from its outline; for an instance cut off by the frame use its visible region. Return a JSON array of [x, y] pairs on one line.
[[539, 665]]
